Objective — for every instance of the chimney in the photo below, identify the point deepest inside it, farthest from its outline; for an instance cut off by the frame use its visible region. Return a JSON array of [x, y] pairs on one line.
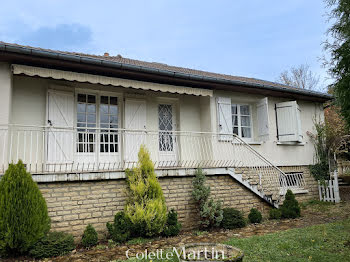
[[106, 54]]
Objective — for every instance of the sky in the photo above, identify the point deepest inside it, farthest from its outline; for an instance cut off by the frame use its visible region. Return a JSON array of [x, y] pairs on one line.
[[253, 38]]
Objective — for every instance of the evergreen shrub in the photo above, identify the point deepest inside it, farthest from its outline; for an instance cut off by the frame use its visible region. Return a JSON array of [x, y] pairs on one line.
[[254, 216], [90, 237], [290, 207], [23, 212], [232, 218], [52, 245], [210, 211], [120, 230], [145, 205], [172, 226]]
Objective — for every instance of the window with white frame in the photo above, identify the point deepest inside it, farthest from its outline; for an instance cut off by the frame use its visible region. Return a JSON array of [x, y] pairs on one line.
[[241, 120], [108, 124], [86, 117], [166, 125], [92, 112]]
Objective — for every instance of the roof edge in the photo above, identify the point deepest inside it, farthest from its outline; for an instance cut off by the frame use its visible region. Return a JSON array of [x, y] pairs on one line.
[[104, 63]]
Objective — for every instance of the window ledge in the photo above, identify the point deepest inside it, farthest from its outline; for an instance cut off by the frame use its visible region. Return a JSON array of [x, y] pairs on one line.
[[290, 143], [297, 191], [250, 142], [254, 142]]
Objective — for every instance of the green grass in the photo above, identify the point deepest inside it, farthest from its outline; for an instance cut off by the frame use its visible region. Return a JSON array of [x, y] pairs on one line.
[[327, 242]]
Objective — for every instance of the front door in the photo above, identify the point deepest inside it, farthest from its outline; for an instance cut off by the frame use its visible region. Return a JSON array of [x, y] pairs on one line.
[[60, 139], [135, 125], [167, 137]]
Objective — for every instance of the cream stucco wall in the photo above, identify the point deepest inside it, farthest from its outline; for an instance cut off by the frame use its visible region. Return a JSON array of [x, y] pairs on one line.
[[30, 98], [192, 114], [280, 154], [6, 93]]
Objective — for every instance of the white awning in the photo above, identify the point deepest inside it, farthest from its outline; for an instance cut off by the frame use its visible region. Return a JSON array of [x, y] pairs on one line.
[[104, 80]]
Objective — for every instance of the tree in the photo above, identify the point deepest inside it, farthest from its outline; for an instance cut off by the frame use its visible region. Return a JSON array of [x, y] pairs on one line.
[[145, 202], [339, 48], [301, 77], [210, 211], [23, 212], [335, 125]]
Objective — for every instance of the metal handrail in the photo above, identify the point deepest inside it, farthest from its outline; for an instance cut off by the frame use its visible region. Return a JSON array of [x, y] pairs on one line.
[[43, 149]]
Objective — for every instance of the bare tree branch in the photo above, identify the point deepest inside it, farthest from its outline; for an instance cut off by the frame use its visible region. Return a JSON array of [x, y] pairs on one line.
[[301, 77]]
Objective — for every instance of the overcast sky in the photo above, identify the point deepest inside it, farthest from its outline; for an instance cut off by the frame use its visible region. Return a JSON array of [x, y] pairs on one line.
[[247, 38]]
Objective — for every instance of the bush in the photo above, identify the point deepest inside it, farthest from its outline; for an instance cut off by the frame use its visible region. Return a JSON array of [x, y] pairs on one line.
[[52, 245], [145, 202], [232, 218], [290, 207], [320, 171], [172, 226], [23, 211], [90, 237], [275, 213], [120, 230], [210, 211], [254, 216]]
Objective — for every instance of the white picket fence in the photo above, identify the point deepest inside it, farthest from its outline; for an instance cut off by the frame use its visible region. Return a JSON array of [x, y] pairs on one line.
[[329, 189]]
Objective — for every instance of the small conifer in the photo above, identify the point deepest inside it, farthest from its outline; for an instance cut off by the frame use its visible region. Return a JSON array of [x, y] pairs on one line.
[[23, 212]]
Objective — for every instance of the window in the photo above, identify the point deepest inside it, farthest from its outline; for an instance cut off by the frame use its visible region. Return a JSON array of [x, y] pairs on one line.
[[88, 108], [108, 124], [165, 115], [86, 117], [241, 120]]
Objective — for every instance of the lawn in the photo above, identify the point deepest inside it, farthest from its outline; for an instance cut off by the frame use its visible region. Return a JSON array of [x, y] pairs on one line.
[[326, 242]]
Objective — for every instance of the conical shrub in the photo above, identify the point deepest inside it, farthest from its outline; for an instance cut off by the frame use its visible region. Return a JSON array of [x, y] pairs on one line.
[[23, 212], [290, 207], [172, 226], [90, 237], [145, 202]]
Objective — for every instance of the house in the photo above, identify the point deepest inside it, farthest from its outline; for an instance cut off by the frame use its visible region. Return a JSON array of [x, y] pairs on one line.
[[77, 121]]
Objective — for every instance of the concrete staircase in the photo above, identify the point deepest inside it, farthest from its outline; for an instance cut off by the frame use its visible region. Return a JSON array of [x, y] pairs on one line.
[[252, 183]]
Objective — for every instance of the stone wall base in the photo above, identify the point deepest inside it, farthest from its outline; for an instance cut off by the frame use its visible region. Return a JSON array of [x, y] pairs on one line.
[[74, 205]]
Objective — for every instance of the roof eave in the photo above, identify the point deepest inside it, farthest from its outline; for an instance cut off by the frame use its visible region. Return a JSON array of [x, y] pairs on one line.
[[148, 70]]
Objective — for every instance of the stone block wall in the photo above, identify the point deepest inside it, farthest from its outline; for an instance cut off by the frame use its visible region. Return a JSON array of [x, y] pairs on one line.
[[74, 205]]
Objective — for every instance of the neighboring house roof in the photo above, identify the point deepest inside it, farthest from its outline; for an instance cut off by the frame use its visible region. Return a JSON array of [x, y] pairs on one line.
[[157, 68]]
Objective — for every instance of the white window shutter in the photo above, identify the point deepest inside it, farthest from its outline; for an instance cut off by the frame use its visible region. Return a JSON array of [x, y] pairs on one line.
[[288, 122], [263, 119], [225, 118], [300, 132], [60, 142]]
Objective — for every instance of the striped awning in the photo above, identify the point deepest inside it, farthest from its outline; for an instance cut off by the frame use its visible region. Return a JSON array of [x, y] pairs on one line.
[[105, 80]]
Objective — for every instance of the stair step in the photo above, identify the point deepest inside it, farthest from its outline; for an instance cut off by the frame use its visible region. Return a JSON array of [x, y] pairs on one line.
[[251, 181], [274, 198]]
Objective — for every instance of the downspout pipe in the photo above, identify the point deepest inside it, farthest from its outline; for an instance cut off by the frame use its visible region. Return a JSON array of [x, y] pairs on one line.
[[113, 64]]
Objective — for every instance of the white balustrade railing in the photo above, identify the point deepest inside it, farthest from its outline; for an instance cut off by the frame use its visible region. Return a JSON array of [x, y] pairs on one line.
[[55, 150], [293, 180]]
